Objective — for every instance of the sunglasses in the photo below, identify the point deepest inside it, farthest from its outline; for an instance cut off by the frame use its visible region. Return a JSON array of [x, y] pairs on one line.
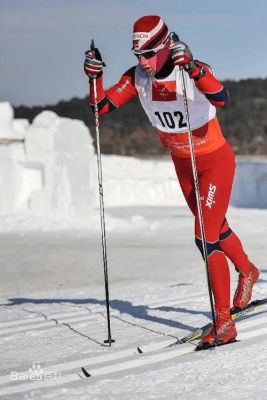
[[149, 53], [146, 54]]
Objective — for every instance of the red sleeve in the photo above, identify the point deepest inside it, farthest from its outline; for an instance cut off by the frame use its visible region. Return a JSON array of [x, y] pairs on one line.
[[114, 97], [211, 87]]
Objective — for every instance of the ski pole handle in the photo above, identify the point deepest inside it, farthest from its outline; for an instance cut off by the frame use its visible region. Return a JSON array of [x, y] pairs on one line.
[[92, 45], [92, 48]]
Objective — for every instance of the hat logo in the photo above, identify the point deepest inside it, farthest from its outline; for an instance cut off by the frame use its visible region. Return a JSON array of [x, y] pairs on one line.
[[141, 36]]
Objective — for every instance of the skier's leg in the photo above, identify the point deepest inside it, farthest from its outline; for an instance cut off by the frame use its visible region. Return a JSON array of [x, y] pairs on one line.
[[213, 215], [248, 273], [183, 170], [216, 172], [232, 247]]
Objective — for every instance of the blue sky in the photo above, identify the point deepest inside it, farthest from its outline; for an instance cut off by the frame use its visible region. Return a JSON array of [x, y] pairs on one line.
[[42, 42]]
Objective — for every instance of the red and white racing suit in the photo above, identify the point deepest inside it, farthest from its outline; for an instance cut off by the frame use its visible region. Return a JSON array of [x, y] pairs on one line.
[[162, 100]]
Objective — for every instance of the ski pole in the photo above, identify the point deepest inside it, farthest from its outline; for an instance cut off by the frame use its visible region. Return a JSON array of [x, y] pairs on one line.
[[102, 209], [198, 199]]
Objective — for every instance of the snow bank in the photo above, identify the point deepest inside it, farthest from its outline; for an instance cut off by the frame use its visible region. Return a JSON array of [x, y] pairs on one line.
[[9, 128], [48, 175], [62, 151], [250, 185], [47, 168], [135, 181]]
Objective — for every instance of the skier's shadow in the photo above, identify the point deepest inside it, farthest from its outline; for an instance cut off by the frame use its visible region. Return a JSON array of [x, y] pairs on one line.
[[142, 312], [139, 312]]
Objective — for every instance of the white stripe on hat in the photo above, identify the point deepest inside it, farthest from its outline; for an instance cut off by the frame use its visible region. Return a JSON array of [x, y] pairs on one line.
[[144, 37], [157, 28]]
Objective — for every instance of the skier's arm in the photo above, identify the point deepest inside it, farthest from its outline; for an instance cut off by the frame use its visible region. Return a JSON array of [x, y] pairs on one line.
[[117, 95], [209, 85], [114, 97]]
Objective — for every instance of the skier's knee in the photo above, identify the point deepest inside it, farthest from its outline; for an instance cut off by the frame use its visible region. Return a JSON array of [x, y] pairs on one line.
[[225, 234], [211, 246]]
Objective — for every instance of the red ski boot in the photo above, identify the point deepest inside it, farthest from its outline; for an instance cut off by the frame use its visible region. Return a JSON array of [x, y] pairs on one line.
[[244, 288], [226, 331]]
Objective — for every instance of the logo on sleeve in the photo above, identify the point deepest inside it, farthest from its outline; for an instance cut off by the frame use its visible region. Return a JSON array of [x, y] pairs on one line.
[[210, 198], [122, 87]]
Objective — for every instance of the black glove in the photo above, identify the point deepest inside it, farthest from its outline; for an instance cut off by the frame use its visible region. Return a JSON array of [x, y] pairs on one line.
[[93, 64]]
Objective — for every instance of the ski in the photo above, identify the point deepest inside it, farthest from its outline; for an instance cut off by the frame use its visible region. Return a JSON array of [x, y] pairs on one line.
[[154, 349], [236, 314]]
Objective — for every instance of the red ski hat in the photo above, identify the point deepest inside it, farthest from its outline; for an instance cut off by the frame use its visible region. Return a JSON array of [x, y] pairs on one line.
[[149, 33]]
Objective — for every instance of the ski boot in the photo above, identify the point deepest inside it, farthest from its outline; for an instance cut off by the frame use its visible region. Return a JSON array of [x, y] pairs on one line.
[[244, 288], [226, 331]]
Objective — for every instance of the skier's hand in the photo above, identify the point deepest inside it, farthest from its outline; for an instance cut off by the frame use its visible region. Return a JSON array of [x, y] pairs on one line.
[[180, 53], [93, 64], [183, 58]]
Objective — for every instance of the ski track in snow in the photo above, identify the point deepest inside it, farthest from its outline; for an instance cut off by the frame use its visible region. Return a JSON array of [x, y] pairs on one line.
[[62, 330], [119, 363]]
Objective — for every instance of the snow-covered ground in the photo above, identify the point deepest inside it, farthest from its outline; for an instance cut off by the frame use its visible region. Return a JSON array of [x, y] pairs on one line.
[[53, 313], [53, 316]]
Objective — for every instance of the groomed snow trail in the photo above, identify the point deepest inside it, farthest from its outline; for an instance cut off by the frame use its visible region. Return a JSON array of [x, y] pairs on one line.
[[105, 364], [53, 332]]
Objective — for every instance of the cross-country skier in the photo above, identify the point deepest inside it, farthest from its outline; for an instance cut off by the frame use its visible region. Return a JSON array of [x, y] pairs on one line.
[[156, 79]]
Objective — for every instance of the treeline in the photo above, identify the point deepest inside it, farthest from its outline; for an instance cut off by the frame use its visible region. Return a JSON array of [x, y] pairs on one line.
[[127, 131]]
